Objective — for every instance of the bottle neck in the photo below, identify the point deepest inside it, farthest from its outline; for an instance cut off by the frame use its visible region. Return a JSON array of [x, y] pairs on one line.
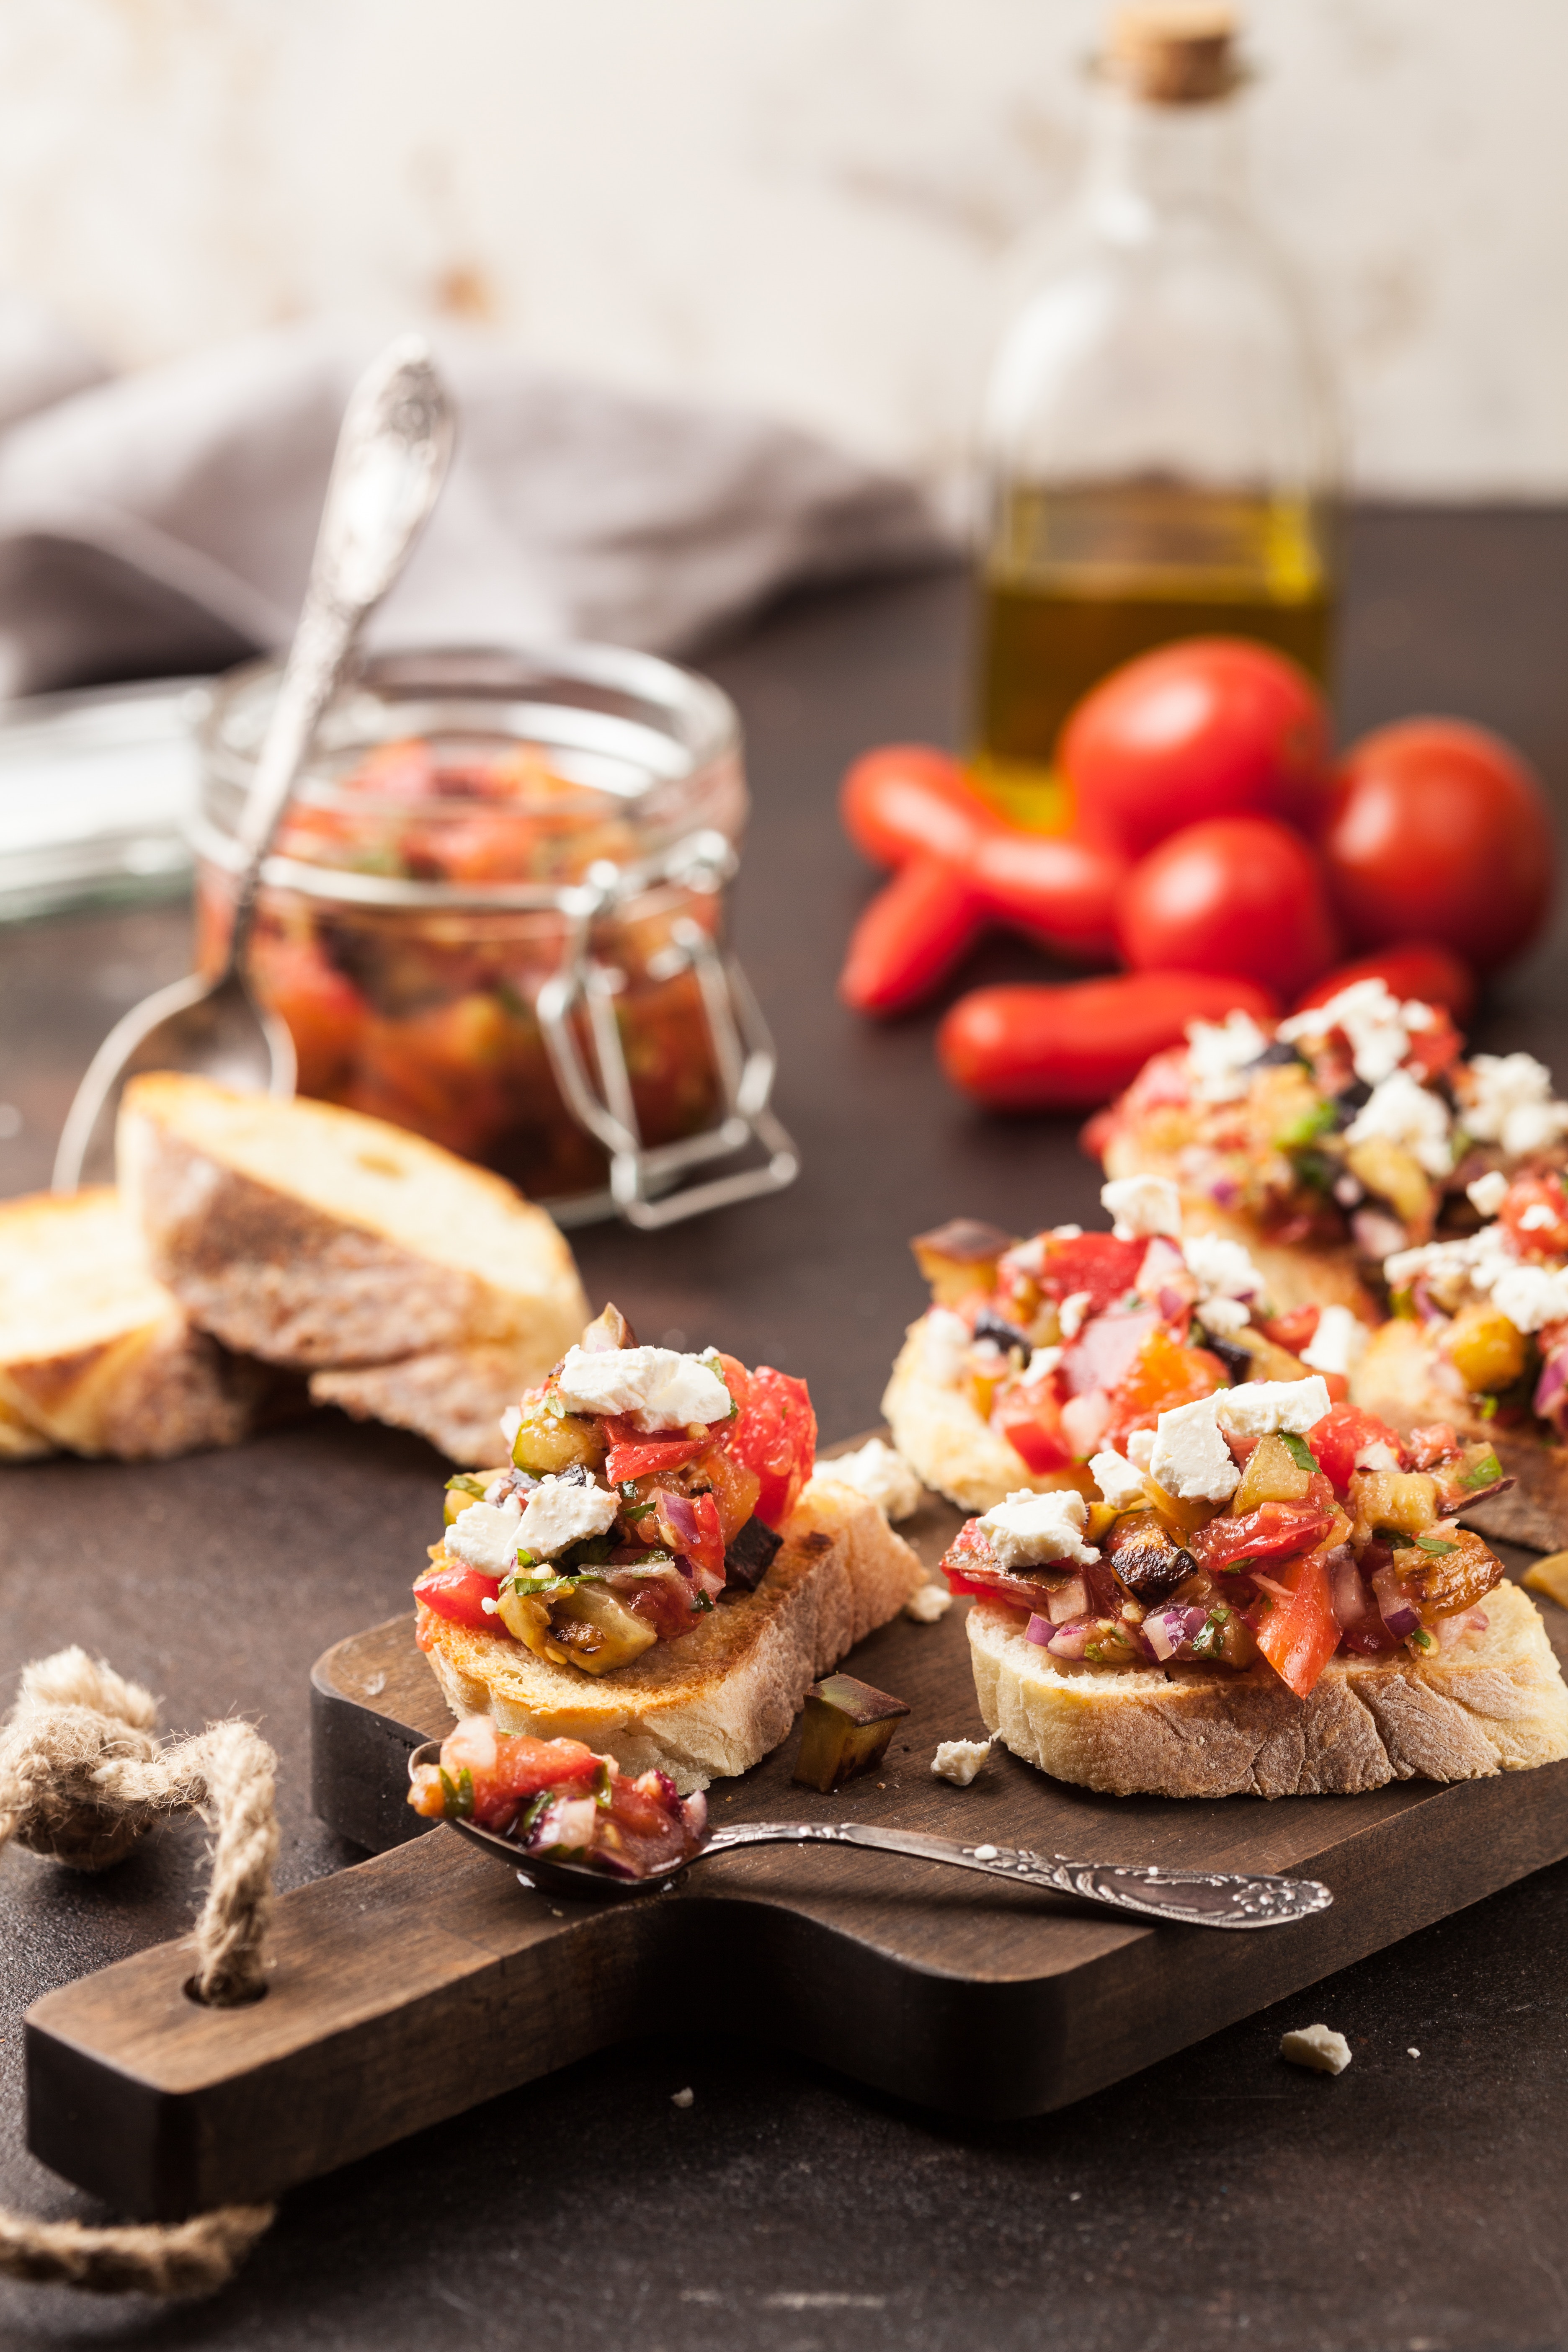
[[1147, 163]]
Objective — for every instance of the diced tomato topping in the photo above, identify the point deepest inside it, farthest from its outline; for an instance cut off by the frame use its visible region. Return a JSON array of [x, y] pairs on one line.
[[1030, 1419], [458, 1594], [1273, 1531], [689, 1526], [1294, 1331], [1428, 1447], [667, 1603], [1096, 1263], [1541, 1201], [1295, 1626], [1336, 1440], [1164, 1373], [632, 1455], [776, 1435], [1432, 1051]]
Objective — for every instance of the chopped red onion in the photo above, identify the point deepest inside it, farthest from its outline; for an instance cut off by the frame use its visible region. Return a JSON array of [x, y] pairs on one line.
[[1070, 1600], [1071, 1641], [1550, 1386], [1166, 1630], [1399, 1611], [1039, 1631]]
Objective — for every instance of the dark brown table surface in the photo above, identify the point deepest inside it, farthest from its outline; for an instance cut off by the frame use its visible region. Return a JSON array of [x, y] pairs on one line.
[[1222, 2198]]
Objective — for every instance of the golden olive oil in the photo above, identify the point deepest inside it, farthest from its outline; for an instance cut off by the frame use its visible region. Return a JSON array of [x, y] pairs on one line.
[[1078, 580]]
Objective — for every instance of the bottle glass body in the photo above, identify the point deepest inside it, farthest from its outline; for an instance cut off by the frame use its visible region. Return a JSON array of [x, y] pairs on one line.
[[1159, 443]]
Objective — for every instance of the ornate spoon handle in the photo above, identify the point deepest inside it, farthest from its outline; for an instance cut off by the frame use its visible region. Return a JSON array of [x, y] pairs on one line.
[[1198, 1898]]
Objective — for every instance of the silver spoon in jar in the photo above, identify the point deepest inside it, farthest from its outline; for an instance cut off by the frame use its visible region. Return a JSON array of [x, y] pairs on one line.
[[391, 460], [1191, 1898]]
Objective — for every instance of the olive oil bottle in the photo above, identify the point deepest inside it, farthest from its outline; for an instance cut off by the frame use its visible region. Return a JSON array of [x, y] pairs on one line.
[[1159, 441]]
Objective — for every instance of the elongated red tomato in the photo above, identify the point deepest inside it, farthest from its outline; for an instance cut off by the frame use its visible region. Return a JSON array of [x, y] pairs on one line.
[[1239, 894], [459, 1594], [1296, 1631], [1415, 968], [1067, 1048], [633, 1456], [910, 938], [1273, 1531], [1207, 727], [776, 1435]]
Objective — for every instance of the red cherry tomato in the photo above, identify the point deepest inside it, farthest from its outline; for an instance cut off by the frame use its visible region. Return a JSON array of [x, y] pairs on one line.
[[1206, 728], [776, 1435], [1240, 894], [1416, 968], [459, 1594], [1024, 1048], [1439, 831], [1336, 1440]]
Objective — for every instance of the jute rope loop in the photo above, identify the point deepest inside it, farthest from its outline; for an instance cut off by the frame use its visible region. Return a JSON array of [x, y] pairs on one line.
[[83, 1777]]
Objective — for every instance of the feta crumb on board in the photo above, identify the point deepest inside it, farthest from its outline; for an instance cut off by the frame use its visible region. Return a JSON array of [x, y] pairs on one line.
[[1028, 1529], [485, 1536], [681, 2098], [1336, 1342], [1190, 1458], [877, 1472], [959, 1761], [928, 1603], [653, 1388], [1317, 2046], [1141, 1206], [562, 1512], [1119, 1483]]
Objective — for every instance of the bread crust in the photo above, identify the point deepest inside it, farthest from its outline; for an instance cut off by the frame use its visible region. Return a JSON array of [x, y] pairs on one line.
[[1400, 1379], [949, 1447], [1494, 1702], [455, 1396], [718, 1701]]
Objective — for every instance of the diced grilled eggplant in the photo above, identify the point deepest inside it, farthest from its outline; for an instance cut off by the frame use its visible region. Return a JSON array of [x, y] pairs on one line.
[[1276, 1056], [1236, 1360], [960, 1257], [1007, 1336], [749, 1555], [1146, 1556], [607, 1332], [845, 1729], [597, 1631]]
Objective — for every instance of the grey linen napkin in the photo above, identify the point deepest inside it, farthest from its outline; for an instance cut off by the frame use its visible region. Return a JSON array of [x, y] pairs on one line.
[[162, 521]]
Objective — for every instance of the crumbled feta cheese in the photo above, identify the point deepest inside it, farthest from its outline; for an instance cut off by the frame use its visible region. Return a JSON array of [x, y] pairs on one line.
[[676, 2098], [1318, 2046], [1509, 1102], [1336, 1342], [1120, 1484], [1191, 1459], [1401, 1110], [1489, 1191], [1142, 1205], [1376, 1027], [1075, 1312], [1221, 1268], [875, 1471], [1262, 1408], [1224, 1318], [1028, 1529], [561, 1512], [653, 1388], [944, 1346], [1140, 1447], [1537, 1218], [958, 1760], [1219, 1054], [928, 1603], [1531, 1295], [485, 1536]]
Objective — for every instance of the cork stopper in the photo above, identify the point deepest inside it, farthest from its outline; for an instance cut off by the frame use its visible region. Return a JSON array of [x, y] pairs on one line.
[[1174, 52]]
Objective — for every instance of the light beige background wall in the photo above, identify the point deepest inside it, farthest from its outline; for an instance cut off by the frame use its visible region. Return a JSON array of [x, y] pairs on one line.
[[802, 204]]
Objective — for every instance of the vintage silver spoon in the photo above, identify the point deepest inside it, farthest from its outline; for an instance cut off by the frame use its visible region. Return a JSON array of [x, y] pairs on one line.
[[1191, 1898], [390, 463]]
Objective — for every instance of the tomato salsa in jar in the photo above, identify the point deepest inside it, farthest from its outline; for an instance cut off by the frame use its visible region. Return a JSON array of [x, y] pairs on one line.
[[494, 914]]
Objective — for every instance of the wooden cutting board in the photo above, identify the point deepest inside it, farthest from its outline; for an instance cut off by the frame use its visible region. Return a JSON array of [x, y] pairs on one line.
[[425, 1980]]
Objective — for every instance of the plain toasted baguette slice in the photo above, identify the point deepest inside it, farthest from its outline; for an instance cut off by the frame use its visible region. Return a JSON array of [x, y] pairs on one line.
[[948, 1446], [316, 1237], [1494, 1702], [1401, 1377], [718, 1701], [96, 1356]]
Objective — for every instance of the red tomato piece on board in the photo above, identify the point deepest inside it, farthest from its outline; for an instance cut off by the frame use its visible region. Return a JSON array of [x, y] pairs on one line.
[[459, 1594], [776, 1435], [1295, 1626]]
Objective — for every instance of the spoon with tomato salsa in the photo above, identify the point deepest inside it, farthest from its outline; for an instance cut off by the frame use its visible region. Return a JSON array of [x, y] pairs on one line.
[[572, 1824]]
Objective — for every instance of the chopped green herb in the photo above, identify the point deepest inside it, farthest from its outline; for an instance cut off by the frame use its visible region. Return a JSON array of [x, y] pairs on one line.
[[555, 1402], [1436, 1543], [635, 1511], [1482, 1472], [1300, 1453], [457, 1797], [1488, 1408], [1308, 1127], [1402, 1305], [465, 1483], [1315, 1168], [604, 1787], [1422, 1640], [700, 1601]]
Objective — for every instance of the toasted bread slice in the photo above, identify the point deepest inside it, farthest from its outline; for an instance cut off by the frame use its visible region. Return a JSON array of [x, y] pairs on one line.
[[719, 1700], [1493, 1702], [947, 1445], [1401, 1377], [95, 1354], [455, 1396], [323, 1240]]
